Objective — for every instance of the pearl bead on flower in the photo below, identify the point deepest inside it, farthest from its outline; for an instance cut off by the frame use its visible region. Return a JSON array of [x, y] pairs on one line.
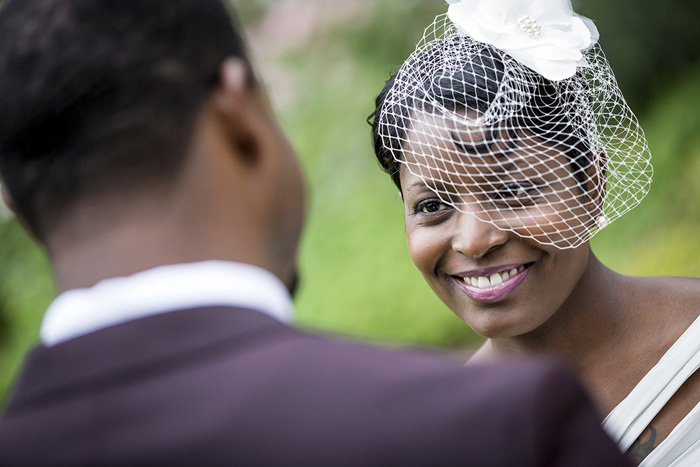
[[530, 26]]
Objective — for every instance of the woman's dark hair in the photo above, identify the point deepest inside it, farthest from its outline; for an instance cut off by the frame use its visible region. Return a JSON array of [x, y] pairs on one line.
[[472, 80], [101, 96]]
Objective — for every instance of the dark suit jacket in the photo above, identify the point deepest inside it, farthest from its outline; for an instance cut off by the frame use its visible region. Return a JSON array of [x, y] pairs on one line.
[[225, 386]]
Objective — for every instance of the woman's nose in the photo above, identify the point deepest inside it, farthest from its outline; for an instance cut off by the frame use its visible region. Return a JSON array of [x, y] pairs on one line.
[[476, 238]]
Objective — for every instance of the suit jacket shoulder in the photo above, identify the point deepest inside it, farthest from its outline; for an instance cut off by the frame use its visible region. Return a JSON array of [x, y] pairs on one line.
[[222, 386]]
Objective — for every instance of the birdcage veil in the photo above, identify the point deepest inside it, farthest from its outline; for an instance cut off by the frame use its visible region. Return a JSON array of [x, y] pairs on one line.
[[529, 133]]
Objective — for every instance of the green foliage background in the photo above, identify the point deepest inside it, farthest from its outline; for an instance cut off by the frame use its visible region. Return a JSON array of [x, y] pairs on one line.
[[357, 277]]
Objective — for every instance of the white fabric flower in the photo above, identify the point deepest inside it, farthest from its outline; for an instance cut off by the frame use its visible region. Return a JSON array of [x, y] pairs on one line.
[[544, 35]]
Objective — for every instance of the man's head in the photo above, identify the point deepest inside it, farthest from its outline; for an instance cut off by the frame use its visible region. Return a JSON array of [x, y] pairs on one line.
[[111, 110]]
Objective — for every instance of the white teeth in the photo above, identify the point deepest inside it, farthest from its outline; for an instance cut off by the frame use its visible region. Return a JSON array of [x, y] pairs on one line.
[[495, 279]]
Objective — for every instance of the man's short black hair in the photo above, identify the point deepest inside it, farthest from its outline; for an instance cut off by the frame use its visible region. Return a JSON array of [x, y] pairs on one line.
[[100, 97]]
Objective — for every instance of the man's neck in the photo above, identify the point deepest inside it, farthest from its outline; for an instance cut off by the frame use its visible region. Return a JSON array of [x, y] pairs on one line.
[[127, 248]]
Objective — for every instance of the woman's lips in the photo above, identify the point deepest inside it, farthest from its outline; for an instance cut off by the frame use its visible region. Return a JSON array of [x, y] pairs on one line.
[[495, 286]]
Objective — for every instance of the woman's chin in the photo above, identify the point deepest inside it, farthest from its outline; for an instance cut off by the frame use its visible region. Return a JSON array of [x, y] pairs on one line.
[[496, 333], [500, 327]]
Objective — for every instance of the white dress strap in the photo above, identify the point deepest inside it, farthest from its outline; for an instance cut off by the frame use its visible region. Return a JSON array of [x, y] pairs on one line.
[[684, 448], [627, 421]]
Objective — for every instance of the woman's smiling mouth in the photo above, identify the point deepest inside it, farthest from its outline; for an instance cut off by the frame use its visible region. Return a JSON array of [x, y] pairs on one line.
[[492, 285]]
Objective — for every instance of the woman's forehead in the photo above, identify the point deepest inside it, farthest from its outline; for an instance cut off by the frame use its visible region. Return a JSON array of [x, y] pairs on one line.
[[462, 153]]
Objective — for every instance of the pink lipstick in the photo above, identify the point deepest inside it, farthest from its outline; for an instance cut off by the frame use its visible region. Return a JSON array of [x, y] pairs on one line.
[[494, 284]]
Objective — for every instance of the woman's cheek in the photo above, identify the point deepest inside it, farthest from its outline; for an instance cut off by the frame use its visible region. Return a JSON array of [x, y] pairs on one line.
[[426, 247]]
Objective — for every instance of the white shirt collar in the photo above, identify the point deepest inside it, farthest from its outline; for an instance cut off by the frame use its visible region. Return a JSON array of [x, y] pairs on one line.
[[166, 288]]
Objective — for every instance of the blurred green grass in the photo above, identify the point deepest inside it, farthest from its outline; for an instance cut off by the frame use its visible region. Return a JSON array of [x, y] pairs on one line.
[[357, 278]]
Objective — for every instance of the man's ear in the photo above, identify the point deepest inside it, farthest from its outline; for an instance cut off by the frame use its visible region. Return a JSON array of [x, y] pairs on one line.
[[241, 110], [7, 199], [12, 206]]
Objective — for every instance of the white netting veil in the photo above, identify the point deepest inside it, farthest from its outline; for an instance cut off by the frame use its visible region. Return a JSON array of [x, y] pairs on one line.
[[555, 160]]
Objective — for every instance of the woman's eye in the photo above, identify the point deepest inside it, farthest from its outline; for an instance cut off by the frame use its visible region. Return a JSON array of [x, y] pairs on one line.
[[429, 206], [516, 191]]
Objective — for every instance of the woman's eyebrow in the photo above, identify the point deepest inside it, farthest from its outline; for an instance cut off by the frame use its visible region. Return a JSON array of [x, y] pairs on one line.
[[483, 147], [434, 186], [476, 148], [511, 166]]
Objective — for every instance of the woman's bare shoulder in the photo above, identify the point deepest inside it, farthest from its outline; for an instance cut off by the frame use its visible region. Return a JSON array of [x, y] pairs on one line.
[[669, 306], [665, 299]]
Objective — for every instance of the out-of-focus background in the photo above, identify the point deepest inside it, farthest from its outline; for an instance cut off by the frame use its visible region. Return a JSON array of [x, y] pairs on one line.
[[323, 62]]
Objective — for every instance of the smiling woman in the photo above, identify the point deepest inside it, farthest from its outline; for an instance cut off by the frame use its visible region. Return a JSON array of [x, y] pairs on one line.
[[512, 146], [529, 138]]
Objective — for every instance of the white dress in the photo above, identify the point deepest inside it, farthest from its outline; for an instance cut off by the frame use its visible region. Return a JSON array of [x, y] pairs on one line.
[[631, 417]]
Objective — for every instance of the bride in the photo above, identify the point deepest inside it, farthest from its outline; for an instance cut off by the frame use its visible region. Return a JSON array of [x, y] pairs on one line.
[[512, 146]]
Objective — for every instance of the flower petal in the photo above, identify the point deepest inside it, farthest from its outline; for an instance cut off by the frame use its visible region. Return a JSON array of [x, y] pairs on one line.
[[566, 39], [554, 51], [466, 23], [548, 52], [552, 70], [585, 28]]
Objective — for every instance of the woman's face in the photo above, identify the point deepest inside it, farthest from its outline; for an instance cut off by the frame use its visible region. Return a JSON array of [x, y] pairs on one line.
[[503, 282]]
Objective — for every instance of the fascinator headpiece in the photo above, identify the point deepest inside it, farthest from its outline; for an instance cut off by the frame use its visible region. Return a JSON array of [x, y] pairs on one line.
[[508, 110]]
